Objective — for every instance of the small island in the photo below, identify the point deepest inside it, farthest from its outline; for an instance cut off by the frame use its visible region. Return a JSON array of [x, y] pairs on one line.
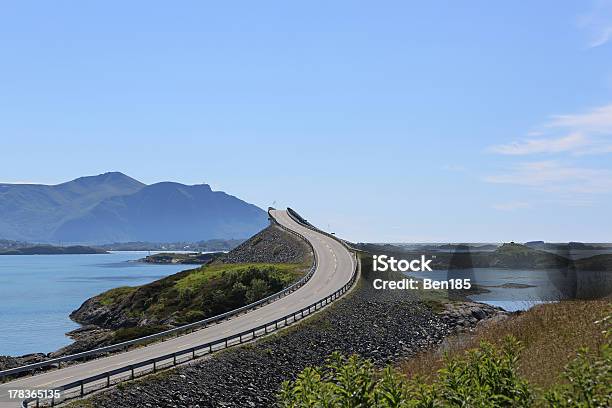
[[182, 258], [52, 250]]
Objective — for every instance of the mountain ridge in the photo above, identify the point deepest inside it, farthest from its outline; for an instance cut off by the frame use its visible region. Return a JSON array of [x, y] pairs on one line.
[[113, 207]]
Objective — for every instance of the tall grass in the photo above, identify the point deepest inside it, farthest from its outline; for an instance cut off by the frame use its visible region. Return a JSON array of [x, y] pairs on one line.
[[551, 335]]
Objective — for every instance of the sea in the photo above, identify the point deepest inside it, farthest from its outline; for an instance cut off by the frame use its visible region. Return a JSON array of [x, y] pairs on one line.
[[520, 289], [38, 293]]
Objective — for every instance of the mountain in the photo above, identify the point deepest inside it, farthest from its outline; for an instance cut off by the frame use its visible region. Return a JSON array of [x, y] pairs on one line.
[[113, 207], [32, 212]]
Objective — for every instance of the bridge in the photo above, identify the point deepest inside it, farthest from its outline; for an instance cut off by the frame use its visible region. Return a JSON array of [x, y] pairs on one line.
[[334, 271]]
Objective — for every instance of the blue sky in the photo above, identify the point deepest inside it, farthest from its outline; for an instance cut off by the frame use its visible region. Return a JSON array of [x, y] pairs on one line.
[[382, 121]]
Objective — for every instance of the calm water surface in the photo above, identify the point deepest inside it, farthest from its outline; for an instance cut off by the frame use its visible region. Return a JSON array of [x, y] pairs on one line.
[[38, 292], [520, 289]]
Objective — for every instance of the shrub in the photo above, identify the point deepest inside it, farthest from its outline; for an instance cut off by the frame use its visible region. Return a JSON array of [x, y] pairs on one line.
[[483, 377], [486, 377], [589, 378], [131, 333], [258, 290]]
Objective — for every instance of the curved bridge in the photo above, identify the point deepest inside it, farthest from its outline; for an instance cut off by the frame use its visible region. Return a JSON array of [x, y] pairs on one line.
[[335, 272]]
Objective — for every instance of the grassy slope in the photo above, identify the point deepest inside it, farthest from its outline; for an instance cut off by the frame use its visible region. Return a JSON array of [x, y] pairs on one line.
[[551, 334], [199, 293]]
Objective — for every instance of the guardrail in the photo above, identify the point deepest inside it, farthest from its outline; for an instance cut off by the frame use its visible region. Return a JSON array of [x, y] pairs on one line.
[[131, 371], [301, 220], [177, 331]]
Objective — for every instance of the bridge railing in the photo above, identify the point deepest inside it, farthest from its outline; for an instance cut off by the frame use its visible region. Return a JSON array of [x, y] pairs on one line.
[[177, 331], [301, 220], [100, 381]]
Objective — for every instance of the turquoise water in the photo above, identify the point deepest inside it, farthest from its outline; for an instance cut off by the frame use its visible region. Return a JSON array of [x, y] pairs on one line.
[[38, 292]]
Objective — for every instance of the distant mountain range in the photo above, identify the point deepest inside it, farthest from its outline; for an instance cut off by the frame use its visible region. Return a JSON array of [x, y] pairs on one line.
[[113, 207]]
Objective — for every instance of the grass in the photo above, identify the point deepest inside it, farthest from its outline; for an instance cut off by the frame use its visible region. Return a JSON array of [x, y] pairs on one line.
[[199, 293], [551, 334], [201, 276], [112, 296], [131, 333]]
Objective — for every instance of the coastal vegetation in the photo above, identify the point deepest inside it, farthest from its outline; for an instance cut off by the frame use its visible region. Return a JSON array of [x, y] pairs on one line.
[[483, 377], [549, 367], [186, 296], [550, 335]]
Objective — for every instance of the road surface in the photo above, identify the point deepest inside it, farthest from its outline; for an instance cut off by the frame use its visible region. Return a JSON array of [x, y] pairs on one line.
[[334, 269]]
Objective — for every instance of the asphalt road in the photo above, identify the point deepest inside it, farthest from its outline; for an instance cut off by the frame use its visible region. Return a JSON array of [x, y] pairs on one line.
[[334, 269]]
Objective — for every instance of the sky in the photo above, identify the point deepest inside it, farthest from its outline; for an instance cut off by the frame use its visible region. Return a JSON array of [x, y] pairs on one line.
[[387, 121]]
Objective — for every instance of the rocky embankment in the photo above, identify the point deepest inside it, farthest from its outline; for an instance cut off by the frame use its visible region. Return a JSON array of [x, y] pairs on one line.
[[380, 325], [7, 362], [271, 245]]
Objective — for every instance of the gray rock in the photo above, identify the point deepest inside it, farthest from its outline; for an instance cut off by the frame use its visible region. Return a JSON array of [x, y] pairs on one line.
[[383, 326], [271, 245]]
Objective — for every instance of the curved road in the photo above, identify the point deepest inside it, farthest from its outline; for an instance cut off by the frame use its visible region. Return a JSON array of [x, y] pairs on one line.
[[334, 269]]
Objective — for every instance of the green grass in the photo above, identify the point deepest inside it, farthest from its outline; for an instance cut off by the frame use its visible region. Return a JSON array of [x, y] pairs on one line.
[[551, 335], [286, 273], [112, 296], [131, 333], [203, 292]]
